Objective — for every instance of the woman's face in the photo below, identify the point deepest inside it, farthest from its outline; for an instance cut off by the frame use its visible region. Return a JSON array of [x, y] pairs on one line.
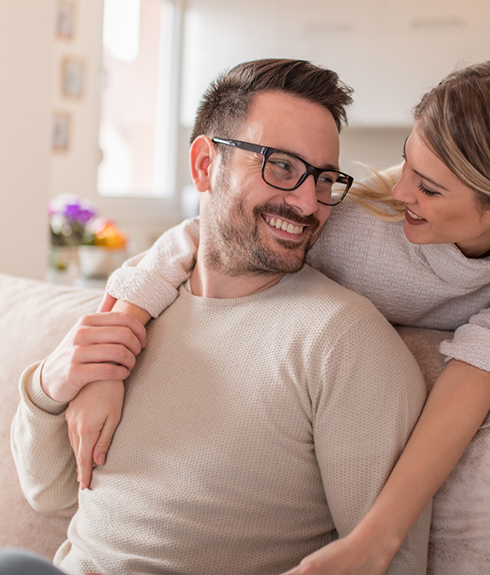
[[439, 207]]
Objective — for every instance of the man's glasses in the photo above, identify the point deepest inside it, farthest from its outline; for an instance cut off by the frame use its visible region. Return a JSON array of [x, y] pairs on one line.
[[286, 171]]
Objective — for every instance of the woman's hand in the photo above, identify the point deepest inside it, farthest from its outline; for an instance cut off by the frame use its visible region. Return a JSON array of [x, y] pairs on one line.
[[455, 409], [351, 555], [94, 414], [92, 418]]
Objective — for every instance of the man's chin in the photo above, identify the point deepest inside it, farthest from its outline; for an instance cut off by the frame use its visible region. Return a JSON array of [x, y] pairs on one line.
[[288, 260]]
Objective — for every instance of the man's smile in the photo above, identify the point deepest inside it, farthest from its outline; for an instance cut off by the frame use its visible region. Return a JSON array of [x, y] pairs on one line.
[[289, 227]]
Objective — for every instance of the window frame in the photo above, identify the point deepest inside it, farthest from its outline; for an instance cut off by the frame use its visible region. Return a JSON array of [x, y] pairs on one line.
[[153, 208]]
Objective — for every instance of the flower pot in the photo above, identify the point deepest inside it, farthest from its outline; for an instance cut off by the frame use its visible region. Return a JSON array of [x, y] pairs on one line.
[[98, 263]]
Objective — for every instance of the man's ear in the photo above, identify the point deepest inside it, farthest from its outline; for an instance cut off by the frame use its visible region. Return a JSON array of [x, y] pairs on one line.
[[203, 158]]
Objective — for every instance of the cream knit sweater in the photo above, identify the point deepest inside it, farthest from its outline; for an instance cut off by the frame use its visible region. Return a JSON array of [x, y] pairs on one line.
[[255, 431], [432, 286]]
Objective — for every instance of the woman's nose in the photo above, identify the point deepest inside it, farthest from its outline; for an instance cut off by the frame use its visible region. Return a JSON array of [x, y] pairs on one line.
[[403, 190]]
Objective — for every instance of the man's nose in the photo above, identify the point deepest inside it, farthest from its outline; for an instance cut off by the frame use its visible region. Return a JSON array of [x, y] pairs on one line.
[[304, 197]]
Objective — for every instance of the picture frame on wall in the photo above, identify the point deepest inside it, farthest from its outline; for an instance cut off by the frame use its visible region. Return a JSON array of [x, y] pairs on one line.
[[61, 131], [65, 21], [72, 76]]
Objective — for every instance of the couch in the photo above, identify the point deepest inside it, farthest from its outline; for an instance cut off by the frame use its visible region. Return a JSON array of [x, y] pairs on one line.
[[34, 316]]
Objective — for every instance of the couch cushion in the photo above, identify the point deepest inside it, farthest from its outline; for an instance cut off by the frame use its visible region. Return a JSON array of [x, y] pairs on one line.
[[424, 345], [34, 317]]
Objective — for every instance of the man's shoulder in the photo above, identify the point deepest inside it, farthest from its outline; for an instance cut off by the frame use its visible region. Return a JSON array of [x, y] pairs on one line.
[[327, 293], [325, 306], [331, 317]]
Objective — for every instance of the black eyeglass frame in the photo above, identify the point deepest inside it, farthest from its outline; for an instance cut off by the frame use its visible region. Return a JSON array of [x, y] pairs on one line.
[[266, 152]]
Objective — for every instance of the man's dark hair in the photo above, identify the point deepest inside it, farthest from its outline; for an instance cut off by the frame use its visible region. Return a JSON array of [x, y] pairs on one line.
[[226, 102]]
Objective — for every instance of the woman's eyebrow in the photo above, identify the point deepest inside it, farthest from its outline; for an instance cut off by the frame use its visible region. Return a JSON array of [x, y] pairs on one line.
[[418, 173], [429, 180]]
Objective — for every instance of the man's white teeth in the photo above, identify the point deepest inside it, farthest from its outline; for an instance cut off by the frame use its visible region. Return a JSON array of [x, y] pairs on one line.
[[282, 225], [414, 216]]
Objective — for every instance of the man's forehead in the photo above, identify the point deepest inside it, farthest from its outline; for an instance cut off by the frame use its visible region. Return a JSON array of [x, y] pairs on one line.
[[294, 124]]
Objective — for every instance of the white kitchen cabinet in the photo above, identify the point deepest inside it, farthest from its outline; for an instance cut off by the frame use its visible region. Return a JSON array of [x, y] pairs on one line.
[[389, 51]]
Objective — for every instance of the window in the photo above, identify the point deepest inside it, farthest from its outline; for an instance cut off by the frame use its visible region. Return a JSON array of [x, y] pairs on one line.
[[138, 125]]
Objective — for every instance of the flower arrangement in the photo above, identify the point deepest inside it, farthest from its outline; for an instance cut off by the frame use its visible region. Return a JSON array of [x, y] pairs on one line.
[[107, 235], [69, 218], [74, 222], [81, 242]]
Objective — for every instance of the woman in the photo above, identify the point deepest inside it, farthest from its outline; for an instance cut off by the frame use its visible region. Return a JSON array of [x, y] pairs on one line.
[[419, 251]]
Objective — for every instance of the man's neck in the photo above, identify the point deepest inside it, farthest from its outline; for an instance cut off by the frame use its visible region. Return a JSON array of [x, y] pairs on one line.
[[211, 283]]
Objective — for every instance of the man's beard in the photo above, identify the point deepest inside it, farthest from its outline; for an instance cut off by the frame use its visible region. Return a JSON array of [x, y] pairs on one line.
[[234, 244]]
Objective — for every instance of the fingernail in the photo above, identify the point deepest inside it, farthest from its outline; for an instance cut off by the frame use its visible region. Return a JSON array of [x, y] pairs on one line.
[[101, 459]]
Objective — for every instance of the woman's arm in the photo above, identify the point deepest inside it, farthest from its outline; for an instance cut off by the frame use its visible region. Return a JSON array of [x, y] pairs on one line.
[[93, 415], [145, 286], [455, 409], [151, 281]]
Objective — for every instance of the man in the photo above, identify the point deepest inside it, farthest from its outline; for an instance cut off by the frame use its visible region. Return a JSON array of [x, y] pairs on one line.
[[266, 412]]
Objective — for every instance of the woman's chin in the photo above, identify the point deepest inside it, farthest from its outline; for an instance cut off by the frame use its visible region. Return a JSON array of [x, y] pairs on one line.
[[414, 235]]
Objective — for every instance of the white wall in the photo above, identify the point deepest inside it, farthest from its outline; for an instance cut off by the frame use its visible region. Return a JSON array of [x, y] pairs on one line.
[[26, 56], [390, 51], [75, 171]]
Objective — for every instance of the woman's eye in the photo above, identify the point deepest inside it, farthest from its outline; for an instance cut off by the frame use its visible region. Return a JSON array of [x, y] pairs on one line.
[[426, 191]]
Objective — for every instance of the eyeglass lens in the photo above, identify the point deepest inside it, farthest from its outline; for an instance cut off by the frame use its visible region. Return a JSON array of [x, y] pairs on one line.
[[284, 171]]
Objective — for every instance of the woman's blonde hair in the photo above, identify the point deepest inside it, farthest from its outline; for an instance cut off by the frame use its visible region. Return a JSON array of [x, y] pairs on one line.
[[374, 194], [454, 121]]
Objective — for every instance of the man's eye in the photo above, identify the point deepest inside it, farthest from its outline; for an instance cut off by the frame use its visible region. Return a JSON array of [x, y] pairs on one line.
[[326, 179], [281, 164]]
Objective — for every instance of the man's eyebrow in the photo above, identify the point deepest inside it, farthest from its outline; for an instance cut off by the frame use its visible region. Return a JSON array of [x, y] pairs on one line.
[[418, 173], [326, 168]]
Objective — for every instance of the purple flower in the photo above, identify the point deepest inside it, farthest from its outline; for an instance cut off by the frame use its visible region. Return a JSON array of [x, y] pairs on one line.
[[72, 208], [69, 216], [79, 213]]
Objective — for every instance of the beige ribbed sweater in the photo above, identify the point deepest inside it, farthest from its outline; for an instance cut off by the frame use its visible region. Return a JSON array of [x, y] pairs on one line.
[[432, 286], [255, 430]]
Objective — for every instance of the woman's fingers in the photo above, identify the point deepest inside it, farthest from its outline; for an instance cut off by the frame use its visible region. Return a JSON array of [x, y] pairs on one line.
[[92, 418], [105, 439]]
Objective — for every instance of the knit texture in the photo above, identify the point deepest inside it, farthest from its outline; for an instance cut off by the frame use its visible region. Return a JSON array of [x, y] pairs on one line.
[[433, 286], [255, 431]]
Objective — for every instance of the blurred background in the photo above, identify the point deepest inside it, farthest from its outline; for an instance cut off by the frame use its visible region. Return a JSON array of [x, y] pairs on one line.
[[98, 100]]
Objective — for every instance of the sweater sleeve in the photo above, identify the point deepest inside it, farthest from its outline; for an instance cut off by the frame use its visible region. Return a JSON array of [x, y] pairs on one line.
[[471, 342], [370, 401], [151, 280], [39, 439]]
